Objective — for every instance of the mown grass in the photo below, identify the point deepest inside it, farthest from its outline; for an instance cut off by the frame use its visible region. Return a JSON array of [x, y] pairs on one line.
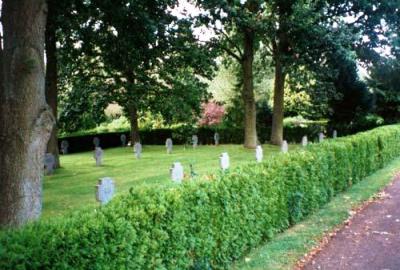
[[284, 250], [72, 187]]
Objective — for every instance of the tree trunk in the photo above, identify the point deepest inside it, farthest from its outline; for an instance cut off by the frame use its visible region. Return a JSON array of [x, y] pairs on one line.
[[133, 117], [278, 110], [51, 78], [250, 130], [25, 118]]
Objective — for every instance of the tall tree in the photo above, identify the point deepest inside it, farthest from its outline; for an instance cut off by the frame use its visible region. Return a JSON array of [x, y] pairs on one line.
[[308, 34], [237, 26], [148, 61], [26, 120], [51, 75]]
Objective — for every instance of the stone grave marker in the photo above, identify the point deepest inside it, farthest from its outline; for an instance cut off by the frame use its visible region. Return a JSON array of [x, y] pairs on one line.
[[49, 163], [192, 172], [334, 135], [216, 138], [105, 190], [176, 172], [284, 147], [137, 148], [304, 141], [98, 156], [321, 137], [195, 141], [259, 153], [96, 142], [224, 161], [168, 145], [64, 147], [123, 140]]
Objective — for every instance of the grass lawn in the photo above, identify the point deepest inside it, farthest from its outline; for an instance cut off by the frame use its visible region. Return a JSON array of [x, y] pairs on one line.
[[284, 250], [73, 186]]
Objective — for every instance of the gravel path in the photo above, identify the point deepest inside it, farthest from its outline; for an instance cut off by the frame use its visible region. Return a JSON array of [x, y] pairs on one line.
[[370, 241]]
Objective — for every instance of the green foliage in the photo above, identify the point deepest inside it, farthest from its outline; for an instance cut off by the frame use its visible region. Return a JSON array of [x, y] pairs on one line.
[[385, 81], [206, 223], [104, 60]]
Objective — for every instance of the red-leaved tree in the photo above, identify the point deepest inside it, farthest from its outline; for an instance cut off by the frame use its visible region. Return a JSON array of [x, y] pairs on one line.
[[212, 114]]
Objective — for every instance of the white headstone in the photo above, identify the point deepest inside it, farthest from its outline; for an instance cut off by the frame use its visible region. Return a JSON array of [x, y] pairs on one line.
[[123, 140], [224, 161], [195, 141], [259, 153], [96, 142], [49, 163], [64, 147], [105, 190], [321, 137], [304, 141], [177, 172], [216, 138], [137, 148], [98, 155], [168, 145], [334, 135], [284, 147]]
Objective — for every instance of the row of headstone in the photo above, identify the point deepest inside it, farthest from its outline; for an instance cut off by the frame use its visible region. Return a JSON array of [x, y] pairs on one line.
[[168, 145], [224, 161], [49, 163], [195, 141], [64, 147], [137, 149], [216, 138], [284, 147], [176, 170], [105, 189], [98, 155], [259, 153], [123, 140]]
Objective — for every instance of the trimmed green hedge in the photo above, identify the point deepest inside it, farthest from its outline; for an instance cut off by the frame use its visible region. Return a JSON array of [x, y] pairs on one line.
[[203, 224]]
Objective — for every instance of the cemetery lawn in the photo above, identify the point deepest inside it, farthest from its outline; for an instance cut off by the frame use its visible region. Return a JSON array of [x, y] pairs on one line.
[[72, 187], [303, 237]]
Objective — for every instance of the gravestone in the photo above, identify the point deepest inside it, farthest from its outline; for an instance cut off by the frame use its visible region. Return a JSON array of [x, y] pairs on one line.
[[168, 145], [105, 190], [192, 172], [259, 153], [176, 172], [49, 163], [98, 156], [284, 147], [304, 141], [123, 140], [224, 161], [334, 135], [64, 147], [195, 141], [216, 138], [137, 148], [321, 137], [96, 142]]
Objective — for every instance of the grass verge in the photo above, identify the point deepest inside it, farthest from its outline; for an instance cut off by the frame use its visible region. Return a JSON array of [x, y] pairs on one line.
[[286, 248]]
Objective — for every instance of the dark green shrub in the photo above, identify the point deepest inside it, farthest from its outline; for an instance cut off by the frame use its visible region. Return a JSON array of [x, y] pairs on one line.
[[202, 224]]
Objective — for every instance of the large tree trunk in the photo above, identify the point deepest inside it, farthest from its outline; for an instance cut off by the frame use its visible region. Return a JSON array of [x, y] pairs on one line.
[[25, 118], [250, 131], [133, 117], [51, 78], [278, 110]]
